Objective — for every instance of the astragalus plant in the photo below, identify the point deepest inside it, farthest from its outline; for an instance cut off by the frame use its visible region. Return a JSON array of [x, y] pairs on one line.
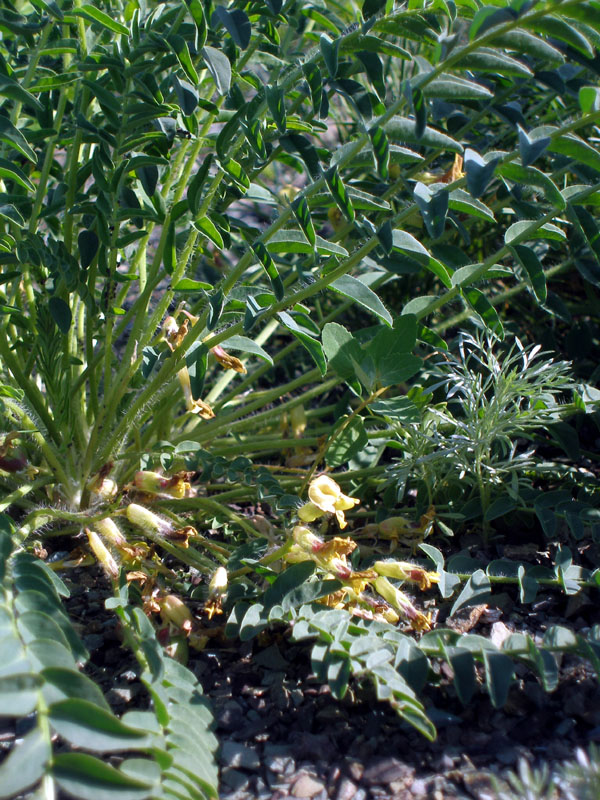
[[312, 186]]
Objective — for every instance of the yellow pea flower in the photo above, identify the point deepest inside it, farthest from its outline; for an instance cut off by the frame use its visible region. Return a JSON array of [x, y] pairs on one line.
[[405, 571], [326, 497], [399, 601], [154, 483]]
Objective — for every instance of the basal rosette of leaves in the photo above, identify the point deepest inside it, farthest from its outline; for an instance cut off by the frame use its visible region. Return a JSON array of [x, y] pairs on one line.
[[326, 190]]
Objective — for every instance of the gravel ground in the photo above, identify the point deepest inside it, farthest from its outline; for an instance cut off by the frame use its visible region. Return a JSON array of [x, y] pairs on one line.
[[283, 735]]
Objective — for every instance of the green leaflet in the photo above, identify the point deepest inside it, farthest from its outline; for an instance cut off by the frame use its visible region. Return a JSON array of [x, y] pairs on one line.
[[235, 171], [276, 103], [360, 292], [14, 138], [530, 229], [93, 14], [207, 227], [406, 243], [484, 309], [381, 150], [302, 212], [528, 259], [315, 84], [401, 129], [339, 193], [292, 241], [487, 59], [534, 177], [265, 259]]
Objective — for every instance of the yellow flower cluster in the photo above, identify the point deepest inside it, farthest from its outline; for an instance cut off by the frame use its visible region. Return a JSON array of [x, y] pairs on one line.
[[385, 602]]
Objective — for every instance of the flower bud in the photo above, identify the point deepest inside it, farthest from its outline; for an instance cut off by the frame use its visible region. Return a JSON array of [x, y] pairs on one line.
[[218, 582], [110, 532], [298, 421], [175, 612], [150, 522], [104, 556], [394, 527], [306, 539]]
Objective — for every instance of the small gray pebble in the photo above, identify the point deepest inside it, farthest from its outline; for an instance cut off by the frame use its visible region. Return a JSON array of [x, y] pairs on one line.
[[234, 754], [418, 788], [234, 779]]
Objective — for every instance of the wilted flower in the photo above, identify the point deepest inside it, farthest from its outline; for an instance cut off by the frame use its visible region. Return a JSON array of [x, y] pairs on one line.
[[174, 335], [326, 497], [404, 571], [193, 406], [104, 556], [227, 361]]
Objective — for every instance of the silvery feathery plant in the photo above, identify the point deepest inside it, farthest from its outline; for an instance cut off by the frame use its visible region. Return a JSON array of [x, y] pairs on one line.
[[496, 396]]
